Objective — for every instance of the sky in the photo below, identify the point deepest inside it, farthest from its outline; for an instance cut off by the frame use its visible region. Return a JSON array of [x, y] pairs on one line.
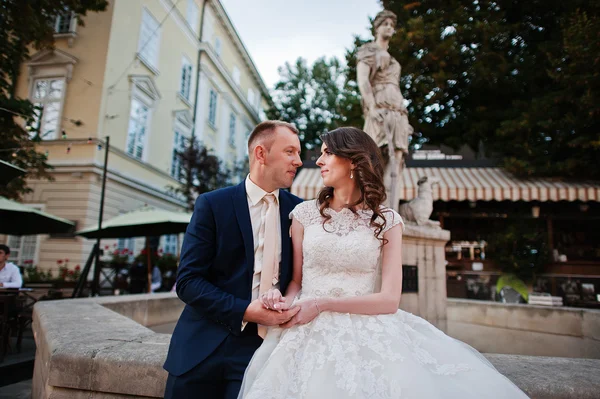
[[276, 31]]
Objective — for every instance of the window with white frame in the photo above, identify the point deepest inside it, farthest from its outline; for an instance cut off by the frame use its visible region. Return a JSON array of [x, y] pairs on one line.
[[23, 250], [169, 244], [126, 244], [212, 107], [47, 96], [251, 97], [236, 75], [138, 124], [186, 78], [64, 23], [232, 123], [257, 100], [192, 15], [144, 95], [218, 46], [179, 140], [149, 42]]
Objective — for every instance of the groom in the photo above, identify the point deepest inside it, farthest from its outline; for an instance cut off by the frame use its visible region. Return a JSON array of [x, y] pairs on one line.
[[230, 255]]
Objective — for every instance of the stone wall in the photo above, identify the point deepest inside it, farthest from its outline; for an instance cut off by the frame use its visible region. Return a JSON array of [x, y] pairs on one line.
[[102, 348], [424, 247], [525, 329]]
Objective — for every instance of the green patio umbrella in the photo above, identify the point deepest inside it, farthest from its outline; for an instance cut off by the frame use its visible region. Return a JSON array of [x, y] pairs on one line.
[[144, 222], [8, 172], [18, 219]]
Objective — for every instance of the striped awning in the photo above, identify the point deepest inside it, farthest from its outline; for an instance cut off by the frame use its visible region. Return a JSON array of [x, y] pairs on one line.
[[470, 184]]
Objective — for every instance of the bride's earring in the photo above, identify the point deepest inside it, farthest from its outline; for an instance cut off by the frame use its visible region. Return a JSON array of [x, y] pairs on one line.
[[351, 175]]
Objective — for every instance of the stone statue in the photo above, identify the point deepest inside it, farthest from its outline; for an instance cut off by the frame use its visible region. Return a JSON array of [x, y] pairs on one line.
[[418, 210], [386, 117]]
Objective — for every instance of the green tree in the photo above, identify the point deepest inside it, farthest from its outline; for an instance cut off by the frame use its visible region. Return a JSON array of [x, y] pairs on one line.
[[521, 77], [201, 171], [521, 248], [314, 98], [25, 25]]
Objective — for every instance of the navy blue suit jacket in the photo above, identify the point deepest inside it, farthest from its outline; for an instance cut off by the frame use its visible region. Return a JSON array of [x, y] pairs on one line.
[[215, 273]]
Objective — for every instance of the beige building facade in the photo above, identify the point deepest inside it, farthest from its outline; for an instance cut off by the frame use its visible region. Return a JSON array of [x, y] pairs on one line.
[[141, 74]]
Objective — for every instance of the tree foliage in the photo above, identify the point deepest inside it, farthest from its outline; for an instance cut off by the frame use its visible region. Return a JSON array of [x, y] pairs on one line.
[[202, 171], [314, 98], [521, 77], [25, 25], [521, 248]]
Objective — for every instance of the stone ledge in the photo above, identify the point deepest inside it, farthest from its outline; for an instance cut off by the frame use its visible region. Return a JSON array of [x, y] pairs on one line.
[[574, 322], [551, 377], [89, 347], [87, 350], [412, 232]]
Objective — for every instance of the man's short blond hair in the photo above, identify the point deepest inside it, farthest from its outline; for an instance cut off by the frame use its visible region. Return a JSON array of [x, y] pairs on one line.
[[263, 134]]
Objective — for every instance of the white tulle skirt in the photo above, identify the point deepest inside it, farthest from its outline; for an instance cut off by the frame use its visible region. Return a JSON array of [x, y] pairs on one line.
[[338, 356]]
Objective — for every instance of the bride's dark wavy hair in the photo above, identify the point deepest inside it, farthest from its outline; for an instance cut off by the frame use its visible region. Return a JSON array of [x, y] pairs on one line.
[[357, 146]]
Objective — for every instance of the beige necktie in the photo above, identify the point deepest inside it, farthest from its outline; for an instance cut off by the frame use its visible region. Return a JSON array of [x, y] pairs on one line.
[[269, 274]]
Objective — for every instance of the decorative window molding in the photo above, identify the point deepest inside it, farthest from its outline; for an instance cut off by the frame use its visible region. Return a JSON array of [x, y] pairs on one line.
[[144, 95], [51, 63], [147, 85], [49, 71], [184, 117]]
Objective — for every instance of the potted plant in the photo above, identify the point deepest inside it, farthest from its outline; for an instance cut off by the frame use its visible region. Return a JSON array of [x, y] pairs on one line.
[[521, 251]]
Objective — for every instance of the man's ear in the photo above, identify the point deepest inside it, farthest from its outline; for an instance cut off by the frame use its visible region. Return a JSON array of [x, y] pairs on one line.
[[260, 154]]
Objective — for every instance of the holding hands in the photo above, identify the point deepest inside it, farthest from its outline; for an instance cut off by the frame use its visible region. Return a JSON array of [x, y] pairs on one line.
[[273, 300], [263, 311], [280, 310], [309, 309]]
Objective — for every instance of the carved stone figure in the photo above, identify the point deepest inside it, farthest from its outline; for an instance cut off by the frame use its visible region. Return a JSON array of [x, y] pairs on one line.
[[418, 210], [386, 117]]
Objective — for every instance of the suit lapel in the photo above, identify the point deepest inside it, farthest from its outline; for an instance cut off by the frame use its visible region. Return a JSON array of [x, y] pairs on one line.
[[242, 213], [284, 211]]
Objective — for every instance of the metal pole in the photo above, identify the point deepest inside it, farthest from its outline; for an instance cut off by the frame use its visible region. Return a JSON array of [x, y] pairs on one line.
[[149, 265], [95, 285]]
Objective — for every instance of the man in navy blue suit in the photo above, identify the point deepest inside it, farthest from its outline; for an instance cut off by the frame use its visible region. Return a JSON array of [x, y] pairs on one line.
[[219, 272]]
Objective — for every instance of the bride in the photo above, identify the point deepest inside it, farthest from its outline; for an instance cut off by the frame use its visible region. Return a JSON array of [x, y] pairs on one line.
[[349, 340]]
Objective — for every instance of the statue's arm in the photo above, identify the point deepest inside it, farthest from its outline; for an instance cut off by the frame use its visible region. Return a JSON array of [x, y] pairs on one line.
[[364, 86]]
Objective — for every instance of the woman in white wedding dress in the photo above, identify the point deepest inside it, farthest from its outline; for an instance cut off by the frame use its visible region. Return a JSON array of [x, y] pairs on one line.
[[349, 340]]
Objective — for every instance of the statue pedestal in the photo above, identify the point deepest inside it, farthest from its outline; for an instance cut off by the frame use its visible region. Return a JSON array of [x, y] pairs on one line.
[[424, 247]]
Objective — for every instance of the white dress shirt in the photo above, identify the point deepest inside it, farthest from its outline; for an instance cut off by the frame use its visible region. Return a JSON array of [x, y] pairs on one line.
[[10, 276], [258, 210]]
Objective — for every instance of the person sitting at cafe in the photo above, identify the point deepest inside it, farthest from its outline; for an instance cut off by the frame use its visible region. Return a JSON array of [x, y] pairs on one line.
[[10, 275]]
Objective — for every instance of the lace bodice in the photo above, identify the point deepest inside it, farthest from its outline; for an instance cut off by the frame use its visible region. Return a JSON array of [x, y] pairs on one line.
[[342, 257], [357, 356]]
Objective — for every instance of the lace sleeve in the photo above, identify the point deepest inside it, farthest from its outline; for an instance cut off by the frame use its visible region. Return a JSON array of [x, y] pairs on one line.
[[304, 212], [392, 218]]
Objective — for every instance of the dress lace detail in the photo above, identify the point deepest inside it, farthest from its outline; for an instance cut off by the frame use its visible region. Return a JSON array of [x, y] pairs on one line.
[[358, 356]]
